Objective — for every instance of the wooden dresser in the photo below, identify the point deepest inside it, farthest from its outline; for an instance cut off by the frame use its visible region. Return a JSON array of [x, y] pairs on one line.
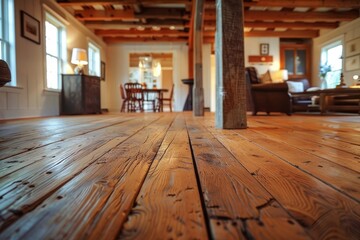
[[80, 94]]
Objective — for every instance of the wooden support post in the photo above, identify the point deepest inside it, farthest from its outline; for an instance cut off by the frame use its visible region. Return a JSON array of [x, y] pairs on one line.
[[230, 78], [191, 43], [198, 93]]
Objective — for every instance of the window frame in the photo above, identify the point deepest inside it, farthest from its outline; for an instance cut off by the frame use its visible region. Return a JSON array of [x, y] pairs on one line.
[[55, 20], [7, 37], [97, 71], [329, 78]]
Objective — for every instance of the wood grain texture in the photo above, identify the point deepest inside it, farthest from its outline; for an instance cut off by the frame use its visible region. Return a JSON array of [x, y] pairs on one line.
[[314, 142], [230, 82], [22, 190], [294, 189], [169, 196], [91, 193], [307, 158], [53, 130], [233, 198], [176, 176], [198, 93]]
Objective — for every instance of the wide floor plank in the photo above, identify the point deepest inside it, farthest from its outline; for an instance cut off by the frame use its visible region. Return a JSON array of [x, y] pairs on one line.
[[296, 191], [238, 206], [169, 195]]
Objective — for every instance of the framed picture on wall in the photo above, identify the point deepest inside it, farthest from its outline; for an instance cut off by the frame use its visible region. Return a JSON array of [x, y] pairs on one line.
[[352, 63], [102, 71], [30, 28], [264, 49], [352, 47]]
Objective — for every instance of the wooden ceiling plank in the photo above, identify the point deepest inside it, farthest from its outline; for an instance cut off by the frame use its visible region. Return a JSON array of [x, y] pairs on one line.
[[314, 25], [294, 25], [305, 3], [284, 34], [134, 32], [162, 13], [142, 39], [121, 25], [121, 2], [297, 16], [105, 15]]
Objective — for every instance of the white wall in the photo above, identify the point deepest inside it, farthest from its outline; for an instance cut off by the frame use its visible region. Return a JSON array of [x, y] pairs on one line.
[[29, 98], [252, 47], [346, 32], [118, 70]]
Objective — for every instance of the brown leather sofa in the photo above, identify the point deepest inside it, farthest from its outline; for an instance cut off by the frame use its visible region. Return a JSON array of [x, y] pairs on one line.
[[266, 97], [273, 97]]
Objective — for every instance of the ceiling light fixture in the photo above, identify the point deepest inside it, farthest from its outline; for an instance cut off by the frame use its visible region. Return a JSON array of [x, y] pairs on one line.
[[140, 28]]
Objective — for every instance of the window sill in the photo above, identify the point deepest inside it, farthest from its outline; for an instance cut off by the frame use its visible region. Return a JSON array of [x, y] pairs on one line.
[[50, 90], [8, 88]]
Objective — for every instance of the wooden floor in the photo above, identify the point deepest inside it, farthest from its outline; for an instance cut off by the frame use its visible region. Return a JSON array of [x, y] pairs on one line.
[[174, 176]]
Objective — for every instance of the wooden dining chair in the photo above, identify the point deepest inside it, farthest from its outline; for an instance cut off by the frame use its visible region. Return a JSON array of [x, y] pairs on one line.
[[135, 96], [166, 101], [125, 99]]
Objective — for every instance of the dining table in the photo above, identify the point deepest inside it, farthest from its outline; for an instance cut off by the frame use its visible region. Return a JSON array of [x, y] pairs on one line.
[[154, 94]]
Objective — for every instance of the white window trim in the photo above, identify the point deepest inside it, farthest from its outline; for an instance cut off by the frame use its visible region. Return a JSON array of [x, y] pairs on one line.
[[95, 45], [328, 45], [9, 33], [51, 16]]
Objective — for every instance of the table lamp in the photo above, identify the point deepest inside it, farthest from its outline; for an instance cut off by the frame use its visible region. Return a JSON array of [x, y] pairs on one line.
[[79, 57]]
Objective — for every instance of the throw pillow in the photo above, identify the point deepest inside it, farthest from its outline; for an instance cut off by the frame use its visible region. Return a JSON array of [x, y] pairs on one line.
[[295, 86], [266, 77]]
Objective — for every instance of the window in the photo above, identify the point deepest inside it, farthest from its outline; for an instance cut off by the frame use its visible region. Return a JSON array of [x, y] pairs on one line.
[[296, 59], [94, 60], [7, 38], [55, 51], [331, 55]]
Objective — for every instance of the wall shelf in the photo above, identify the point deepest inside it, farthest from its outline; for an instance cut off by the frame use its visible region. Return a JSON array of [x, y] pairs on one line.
[[262, 59]]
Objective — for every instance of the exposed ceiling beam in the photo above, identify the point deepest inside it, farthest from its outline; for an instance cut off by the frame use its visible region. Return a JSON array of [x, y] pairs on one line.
[[208, 36], [121, 2], [104, 15], [296, 16], [304, 3], [284, 34], [315, 25], [144, 33], [123, 25], [110, 14], [162, 13], [294, 25], [142, 39]]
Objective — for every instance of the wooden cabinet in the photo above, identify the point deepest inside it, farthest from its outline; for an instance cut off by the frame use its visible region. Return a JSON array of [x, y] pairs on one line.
[[80, 94], [296, 59]]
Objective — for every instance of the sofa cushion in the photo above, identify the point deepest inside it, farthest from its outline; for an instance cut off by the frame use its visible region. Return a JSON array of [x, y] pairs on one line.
[[295, 86], [266, 77]]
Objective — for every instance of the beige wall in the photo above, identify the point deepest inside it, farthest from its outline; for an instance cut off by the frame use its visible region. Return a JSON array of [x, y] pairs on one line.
[[252, 47], [346, 33], [29, 98]]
